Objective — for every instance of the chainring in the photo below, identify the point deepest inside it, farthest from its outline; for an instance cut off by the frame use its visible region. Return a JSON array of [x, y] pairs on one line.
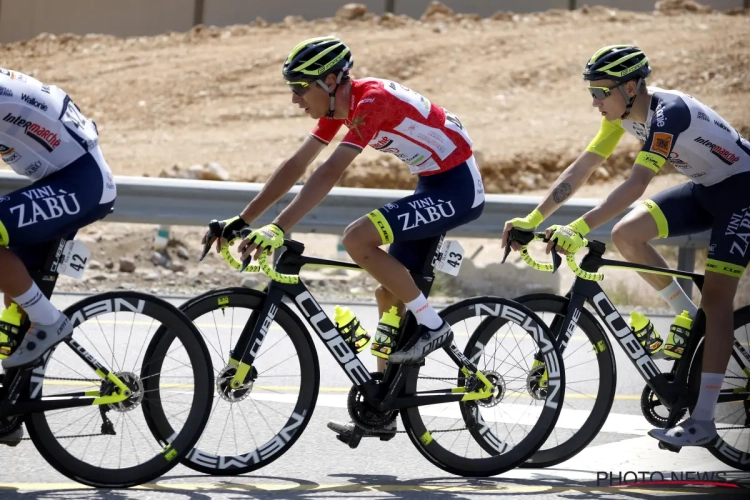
[[649, 404], [9, 425], [363, 414]]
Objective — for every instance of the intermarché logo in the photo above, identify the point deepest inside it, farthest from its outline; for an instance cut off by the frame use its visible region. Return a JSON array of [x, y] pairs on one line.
[[45, 137]]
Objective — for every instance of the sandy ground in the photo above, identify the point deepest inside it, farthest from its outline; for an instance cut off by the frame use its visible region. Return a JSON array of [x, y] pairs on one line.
[[216, 95]]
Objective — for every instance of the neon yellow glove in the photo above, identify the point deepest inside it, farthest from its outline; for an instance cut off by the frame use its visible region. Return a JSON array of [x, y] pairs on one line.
[[570, 237], [528, 223], [269, 237]]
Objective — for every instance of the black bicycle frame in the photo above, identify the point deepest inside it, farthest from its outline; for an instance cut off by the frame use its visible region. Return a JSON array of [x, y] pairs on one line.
[[20, 380], [385, 394], [672, 388]]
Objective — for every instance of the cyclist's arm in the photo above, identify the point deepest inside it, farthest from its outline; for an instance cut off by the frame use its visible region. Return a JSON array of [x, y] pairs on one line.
[[569, 182], [365, 124], [317, 186], [576, 175], [282, 180], [621, 198]]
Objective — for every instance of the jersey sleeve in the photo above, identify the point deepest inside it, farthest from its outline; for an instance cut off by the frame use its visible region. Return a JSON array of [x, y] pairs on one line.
[[326, 129], [671, 117], [368, 118], [605, 142]]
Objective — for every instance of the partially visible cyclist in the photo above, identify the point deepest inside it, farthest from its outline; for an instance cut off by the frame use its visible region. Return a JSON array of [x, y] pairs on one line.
[[390, 118], [677, 128], [45, 137]]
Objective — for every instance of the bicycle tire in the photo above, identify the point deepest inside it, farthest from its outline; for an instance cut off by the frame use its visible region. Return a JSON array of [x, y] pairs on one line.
[[229, 465], [181, 443], [722, 450], [577, 442], [496, 463]]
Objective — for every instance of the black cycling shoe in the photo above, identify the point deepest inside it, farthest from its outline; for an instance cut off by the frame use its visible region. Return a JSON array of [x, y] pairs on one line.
[[351, 434]]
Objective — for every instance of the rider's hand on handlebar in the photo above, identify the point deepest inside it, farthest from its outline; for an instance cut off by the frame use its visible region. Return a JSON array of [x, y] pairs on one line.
[[567, 239], [528, 223], [269, 237], [228, 228]]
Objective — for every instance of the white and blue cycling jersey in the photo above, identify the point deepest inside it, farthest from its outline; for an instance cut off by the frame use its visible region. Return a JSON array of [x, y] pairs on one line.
[[45, 137]]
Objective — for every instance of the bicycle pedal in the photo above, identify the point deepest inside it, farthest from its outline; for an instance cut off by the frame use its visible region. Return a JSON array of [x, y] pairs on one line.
[[387, 437], [355, 437], [669, 447]]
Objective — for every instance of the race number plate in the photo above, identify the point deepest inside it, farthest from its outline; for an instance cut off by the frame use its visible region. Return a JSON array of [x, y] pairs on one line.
[[75, 257], [451, 257]]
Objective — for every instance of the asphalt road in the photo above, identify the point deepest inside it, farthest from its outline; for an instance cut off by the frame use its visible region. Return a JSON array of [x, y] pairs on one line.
[[319, 466]]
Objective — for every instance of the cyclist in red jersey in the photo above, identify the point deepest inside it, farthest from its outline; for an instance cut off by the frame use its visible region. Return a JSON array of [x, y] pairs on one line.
[[393, 119]]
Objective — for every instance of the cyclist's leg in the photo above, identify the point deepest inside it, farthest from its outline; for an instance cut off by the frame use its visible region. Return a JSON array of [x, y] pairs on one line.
[[728, 256], [673, 212], [440, 203], [51, 208]]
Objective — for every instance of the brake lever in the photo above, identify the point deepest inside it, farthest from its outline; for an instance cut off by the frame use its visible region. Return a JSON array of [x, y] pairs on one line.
[[507, 250], [214, 229], [556, 260]]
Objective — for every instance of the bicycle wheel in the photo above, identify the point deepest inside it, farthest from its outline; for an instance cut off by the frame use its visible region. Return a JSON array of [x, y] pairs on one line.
[[590, 379], [491, 451], [252, 426], [105, 326], [732, 418]]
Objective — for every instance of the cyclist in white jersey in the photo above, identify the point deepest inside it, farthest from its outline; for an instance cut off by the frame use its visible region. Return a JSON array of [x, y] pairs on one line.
[[45, 137], [677, 128]]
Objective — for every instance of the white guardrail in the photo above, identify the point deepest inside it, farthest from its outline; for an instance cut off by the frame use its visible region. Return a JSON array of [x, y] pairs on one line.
[[184, 202]]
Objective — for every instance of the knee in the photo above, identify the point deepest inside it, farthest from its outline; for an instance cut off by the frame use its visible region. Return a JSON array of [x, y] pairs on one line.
[[358, 236], [623, 235], [349, 239]]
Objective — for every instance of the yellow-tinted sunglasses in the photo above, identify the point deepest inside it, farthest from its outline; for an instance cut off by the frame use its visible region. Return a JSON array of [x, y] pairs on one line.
[[300, 88], [601, 93]]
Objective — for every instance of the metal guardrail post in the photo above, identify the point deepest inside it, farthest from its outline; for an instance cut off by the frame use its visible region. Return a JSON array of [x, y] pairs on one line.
[[686, 262], [571, 4], [390, 6], [198, 10]]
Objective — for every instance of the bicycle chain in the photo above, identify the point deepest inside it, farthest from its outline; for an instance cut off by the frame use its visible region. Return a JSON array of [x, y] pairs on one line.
[[431, 432], [75, 435]]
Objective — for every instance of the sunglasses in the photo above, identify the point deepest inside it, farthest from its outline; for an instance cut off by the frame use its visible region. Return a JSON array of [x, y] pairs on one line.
[[601, 93], [300, 88]]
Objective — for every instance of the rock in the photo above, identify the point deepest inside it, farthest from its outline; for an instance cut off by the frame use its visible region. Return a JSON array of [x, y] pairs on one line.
[[152, 276], [98, 277], [126, 265], [352, 11], [183, 253], [250, 282], [125, 286], [436, 9], [160, 259], [209, 172], [95, 264], [502, 16], [109, 264], [177, 267], [677, 7]]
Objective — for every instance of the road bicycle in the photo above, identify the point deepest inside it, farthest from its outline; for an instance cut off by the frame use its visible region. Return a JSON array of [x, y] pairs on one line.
[[121, 382], [674, 390], [250, 374]]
